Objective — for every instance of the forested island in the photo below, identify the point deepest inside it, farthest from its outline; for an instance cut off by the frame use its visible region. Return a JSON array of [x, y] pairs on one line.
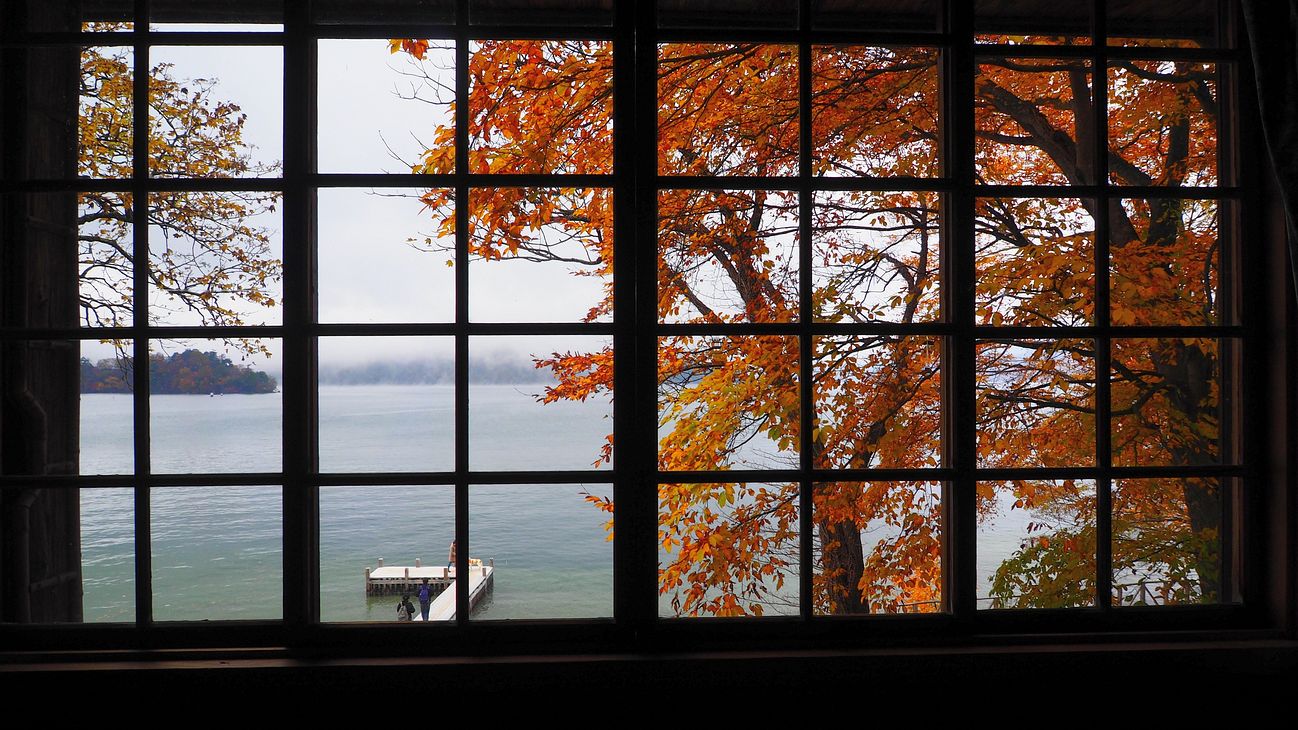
[[185, 372]]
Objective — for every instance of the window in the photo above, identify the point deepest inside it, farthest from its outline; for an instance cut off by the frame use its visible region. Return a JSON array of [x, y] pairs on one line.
[[832, 310]]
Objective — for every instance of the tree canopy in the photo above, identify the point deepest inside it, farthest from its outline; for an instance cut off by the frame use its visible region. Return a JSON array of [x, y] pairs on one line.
[[211, 260], [731, 256]]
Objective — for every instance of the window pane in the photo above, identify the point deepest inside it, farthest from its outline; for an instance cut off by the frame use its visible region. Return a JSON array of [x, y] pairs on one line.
[[1167, 402], [878, 402], [727, 109], [550, 546], [107, 414], [1032, 22], [365, 529], [908, 15], [541, 107], [1183, 24], [1036, 544], [214, 407], [1167, 545], [386, 255], [727, 256], [215, 258], [1166, 263], [1036, 403], [217, 553], [108, 555], [105, 256], [387, 404], [728, 13], [878, 548], [728, 403], [540, 402], [874, 111], [876, 257], [105, 130], [541, 255], [1028, 113], [1035, 260], [383, 109], [211, 117], [727, 550], [1163, 123]]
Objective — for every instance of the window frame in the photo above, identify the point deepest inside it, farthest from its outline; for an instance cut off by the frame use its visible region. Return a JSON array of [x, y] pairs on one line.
[[635, 37]]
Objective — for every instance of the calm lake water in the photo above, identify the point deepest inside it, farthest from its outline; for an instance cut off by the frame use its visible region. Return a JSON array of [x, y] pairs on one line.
[[217, 552]]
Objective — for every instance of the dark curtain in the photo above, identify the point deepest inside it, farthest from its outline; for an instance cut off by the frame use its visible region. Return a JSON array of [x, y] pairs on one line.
[[1273, 35]]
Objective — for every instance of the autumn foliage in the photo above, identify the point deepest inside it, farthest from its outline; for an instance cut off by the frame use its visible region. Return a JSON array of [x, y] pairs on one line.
[[210, 260], [879, 397]]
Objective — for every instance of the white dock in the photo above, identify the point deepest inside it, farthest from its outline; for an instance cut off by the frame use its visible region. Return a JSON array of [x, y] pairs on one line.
[[397, 580], [481, 579]]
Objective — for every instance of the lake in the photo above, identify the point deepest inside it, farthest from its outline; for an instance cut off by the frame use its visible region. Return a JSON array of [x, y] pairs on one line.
[[217, 551]]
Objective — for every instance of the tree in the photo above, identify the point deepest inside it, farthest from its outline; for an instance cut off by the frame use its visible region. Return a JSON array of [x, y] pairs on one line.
[[209, 261], [729, 256]]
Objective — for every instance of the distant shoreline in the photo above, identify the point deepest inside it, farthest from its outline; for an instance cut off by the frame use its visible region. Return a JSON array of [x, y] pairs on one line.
[[197, 373], [530, 383], [190, 372], [433, 372]]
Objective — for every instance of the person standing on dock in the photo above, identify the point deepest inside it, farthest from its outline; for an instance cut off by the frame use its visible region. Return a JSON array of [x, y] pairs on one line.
[[425, 598], [405, 609], [450, 559]]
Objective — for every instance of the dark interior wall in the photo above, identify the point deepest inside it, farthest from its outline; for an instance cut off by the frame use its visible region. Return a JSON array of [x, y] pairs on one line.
[[40, 553]]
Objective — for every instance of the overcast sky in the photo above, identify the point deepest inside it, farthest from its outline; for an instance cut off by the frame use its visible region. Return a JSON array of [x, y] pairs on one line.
[[374, 117]]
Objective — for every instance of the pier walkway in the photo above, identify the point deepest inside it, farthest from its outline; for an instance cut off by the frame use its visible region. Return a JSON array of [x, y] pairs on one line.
[[397, 580], [480, 583]]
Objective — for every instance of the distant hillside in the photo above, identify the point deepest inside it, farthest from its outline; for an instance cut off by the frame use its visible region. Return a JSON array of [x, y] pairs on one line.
[[189, 372]]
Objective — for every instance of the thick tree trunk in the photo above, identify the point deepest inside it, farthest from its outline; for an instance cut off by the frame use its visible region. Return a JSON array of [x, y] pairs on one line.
[[1203, 502], [843, 561], [1188, 383]]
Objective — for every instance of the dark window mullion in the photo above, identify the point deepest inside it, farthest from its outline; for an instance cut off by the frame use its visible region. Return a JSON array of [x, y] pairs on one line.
[[474, 179], [635, 330], [828, 36], [1230, 310], [462, 192], [299, 493], [217, 38], [140, 319], [1235, 224], [870, 183], [959, 64], [626, 451], [805, 350], [1100, 315], [639, 511]]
